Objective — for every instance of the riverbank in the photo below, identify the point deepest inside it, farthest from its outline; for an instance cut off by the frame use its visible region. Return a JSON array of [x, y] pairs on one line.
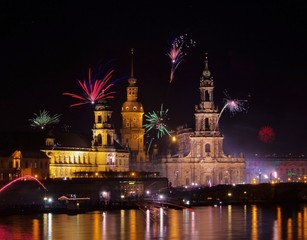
[[27, 198]]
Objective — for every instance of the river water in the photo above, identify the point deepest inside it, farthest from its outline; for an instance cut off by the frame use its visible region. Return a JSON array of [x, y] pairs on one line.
[[210, 222]]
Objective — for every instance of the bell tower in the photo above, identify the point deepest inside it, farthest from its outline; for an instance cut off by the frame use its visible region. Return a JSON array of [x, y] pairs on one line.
[[207, 139], [103, 132], [132, 132]]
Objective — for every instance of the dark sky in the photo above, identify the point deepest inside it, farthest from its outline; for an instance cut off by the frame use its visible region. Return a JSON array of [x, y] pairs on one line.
[[257, 52]]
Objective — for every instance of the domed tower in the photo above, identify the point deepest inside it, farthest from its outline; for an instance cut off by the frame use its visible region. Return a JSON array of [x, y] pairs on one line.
[[103, 131], [132, 132]]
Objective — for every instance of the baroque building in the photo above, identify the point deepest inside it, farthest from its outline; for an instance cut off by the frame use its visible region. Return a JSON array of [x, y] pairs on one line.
[[132, 132], [80, 160], [199, 158]]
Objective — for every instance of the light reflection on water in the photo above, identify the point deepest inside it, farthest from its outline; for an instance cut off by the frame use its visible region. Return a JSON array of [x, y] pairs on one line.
[[227, 222]]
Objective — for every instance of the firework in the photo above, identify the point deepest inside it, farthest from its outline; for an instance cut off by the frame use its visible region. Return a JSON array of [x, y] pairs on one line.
[[233, 105], [177, 52], [23, 178], [266, 134], [44, 119], [157, 121], [93, 90]]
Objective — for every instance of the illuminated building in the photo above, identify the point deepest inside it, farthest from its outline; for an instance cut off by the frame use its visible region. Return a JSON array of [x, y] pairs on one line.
[[20, 156], [200, 159], [132, 132], [104, 154], [275, 169]]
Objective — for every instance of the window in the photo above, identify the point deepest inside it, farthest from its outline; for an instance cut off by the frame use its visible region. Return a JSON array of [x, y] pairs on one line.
[[207, 127], [207, 148]]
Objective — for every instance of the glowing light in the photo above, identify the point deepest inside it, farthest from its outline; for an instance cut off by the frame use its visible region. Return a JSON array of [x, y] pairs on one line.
[[93, 90], [177, 52], [233, 105], [266, 134], [44, 119], [23, 178], [157, 121]]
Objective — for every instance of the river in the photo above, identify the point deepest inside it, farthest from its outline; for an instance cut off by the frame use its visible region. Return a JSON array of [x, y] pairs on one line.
[[210, 222]]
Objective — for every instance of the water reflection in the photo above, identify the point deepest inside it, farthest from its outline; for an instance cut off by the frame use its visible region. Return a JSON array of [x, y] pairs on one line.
[[227, 222]]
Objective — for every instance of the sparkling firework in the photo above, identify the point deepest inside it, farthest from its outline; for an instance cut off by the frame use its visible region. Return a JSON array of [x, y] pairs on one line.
[[233, 105], [156, 121], [177, 52], [266, 134], [93, 90], [44, 119]]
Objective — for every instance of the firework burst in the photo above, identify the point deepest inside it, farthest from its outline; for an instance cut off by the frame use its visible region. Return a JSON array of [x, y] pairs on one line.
[[177, 52], [157, 121], [233, 105], [44, 119], [93, 90], [266, 134]]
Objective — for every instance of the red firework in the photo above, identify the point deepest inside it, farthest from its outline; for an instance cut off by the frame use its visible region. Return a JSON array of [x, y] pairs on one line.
[[266, 134], [93, 90]]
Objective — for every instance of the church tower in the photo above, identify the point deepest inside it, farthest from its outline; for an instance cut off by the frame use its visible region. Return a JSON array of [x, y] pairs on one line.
[[132, 132], [200, 159], [206, 120], [103, 132]]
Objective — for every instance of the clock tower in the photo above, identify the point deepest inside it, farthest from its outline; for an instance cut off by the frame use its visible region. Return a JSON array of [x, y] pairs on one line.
[[132, 132]]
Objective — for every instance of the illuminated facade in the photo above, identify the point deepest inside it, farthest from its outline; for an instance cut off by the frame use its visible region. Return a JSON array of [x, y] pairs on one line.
[[104, 154], [199, 159], [132, 132], [276, 169]]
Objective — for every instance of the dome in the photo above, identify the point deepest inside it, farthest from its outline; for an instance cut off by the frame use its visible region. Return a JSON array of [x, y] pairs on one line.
[[132, 107]]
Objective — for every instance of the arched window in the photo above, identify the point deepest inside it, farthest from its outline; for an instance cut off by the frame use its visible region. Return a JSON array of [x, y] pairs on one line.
[[99, 139], [207, 148], [207, 127], [207, 96]]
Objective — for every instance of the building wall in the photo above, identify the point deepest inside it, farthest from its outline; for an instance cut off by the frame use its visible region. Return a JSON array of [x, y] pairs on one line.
[[69, 163], [276, 169], [208, 172]]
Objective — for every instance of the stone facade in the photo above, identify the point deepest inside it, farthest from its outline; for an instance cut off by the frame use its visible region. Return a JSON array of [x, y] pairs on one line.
[[132, 132], [103, 156], [199, 158]]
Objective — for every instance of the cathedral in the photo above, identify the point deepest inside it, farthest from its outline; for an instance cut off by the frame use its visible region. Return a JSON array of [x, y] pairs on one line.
[[199, 158]]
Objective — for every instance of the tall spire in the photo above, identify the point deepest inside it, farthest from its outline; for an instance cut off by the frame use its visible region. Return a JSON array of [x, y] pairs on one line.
[[132, 79], [206, 78], [206, 72], [132, 75]]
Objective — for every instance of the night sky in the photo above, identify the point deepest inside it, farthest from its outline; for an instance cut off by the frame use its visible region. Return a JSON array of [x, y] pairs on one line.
[[257, 52]]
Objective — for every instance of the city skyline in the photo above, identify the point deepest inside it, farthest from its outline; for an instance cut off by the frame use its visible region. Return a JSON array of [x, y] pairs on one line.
[[256, 52]]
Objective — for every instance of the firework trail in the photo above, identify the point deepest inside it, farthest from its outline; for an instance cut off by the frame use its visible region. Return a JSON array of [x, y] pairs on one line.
[[177, 52], [156, 121], [233, 105], [93, 90], [23, 178], [44, 119]]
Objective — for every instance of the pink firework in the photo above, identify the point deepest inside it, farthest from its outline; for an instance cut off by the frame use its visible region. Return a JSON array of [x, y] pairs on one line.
[[23, 178], [233, 105], [176, 52], [93, 90]]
